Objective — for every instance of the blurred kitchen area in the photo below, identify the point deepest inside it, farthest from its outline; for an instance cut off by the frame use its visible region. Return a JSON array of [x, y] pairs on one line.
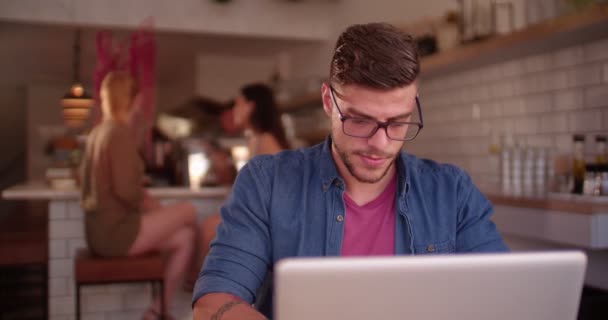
[[513, 91]]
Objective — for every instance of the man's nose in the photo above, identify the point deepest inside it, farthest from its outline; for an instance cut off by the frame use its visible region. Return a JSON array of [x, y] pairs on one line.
[[379, 139]]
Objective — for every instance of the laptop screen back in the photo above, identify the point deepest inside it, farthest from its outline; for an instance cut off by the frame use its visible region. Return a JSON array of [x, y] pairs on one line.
[[522, 286]]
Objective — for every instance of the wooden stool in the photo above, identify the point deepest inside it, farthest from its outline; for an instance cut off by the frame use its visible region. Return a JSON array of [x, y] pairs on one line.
[[94, 270]]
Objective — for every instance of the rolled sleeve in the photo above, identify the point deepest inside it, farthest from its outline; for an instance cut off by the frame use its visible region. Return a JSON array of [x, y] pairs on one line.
[[240, 255], [476, 231]]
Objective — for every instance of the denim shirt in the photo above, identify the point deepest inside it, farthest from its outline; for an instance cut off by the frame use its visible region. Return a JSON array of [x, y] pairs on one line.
[[291, 204]]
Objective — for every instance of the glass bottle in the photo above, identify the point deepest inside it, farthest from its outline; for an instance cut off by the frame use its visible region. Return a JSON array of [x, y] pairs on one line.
[[578, 166], [600, 150], [517, 170], [529, 163], [604, 179], [541, 168], [592, 184], [505, 164], [505, 170]]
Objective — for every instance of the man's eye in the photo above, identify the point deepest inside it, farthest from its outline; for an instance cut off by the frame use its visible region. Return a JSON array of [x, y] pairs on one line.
[[399, 125], [360, 121]]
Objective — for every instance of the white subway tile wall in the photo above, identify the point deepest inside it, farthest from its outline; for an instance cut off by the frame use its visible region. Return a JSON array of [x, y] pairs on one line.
[[102, 302], [61, 306], [563, 142], [538, 63], [58, 286], [568, 57], [596, 96], [66, 229], [58, 248], [570, 99], [596, 51], [585, 75], [97, 316], [58, 211], [585, 121], [554, 123], [541, 100]]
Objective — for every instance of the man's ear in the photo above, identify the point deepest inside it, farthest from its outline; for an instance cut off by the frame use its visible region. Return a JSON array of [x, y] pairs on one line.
[[326, 97]]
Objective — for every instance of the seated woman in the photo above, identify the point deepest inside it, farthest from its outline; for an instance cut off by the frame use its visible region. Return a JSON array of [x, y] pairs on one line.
[[120, 217], [256, 112]]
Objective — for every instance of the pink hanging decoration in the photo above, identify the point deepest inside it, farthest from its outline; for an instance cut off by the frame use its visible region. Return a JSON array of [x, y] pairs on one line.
[[140, 61]]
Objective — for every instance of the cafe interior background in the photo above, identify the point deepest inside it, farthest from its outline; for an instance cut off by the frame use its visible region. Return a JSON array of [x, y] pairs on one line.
[[513, 91]]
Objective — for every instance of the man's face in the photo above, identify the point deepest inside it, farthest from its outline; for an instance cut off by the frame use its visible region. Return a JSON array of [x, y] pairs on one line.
[[368, 160]]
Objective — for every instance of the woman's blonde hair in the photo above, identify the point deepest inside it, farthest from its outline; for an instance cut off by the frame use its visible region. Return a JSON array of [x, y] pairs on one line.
[[118, 89]]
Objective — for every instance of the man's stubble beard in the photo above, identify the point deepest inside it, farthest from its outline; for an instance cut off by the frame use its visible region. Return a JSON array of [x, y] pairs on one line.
[[352, 169]]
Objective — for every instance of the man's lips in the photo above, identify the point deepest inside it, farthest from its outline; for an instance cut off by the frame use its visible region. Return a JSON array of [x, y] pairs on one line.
[[373, 161]]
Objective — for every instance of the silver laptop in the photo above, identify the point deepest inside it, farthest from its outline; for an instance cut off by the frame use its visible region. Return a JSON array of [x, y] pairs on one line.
[[522, 286]]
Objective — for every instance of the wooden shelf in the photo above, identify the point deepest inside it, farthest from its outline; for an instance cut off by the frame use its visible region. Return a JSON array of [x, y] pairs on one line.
[[569, 203], [588, 24], [308, 100], [314, 137]]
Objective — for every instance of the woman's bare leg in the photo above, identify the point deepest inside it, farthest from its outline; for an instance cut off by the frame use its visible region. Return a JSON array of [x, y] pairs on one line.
[[170, 228], [158, 225], [180, 247], [207, 231]]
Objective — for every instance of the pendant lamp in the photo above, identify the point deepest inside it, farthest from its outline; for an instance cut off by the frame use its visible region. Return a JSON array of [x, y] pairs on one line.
[[76, 103]]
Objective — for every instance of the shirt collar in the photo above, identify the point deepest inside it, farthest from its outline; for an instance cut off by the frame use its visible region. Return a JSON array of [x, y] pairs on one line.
[[329, 171]]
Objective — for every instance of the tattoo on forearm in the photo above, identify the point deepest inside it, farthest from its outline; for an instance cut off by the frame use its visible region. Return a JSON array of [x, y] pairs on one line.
[[225, 308]]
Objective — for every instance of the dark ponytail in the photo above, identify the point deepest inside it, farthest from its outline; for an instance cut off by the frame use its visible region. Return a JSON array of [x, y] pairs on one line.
[[266, 116]]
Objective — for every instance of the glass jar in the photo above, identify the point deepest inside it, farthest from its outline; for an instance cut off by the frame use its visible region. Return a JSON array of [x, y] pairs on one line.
[[589, 181]]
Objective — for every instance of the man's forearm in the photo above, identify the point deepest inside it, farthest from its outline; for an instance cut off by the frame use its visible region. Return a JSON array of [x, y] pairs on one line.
[[221, 306]]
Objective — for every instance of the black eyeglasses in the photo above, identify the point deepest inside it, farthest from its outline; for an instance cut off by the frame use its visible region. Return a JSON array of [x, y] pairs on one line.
[[365, 128]]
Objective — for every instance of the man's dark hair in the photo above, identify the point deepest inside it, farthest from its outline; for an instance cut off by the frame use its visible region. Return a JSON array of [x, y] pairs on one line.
[[375, 55]]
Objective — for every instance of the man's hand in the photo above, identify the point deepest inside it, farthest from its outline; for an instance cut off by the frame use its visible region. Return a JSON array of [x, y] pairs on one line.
[[222, 306]]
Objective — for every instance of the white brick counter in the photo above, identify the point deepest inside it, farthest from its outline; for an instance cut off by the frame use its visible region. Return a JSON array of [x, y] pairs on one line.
[[66, 235], [557, 222]]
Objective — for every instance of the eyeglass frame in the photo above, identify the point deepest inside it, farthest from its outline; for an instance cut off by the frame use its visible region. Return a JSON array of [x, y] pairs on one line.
[[379, 124]]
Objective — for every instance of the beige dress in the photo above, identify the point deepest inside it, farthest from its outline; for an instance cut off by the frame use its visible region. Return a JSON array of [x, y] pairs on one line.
[[112, 173]]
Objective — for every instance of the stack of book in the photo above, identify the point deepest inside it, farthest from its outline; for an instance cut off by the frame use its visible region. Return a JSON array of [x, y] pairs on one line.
[[62, 178]]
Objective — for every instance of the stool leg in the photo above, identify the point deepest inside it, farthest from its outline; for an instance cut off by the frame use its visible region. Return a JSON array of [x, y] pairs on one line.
[[77, 301], [45, 296], [163, 312], [154, 290]]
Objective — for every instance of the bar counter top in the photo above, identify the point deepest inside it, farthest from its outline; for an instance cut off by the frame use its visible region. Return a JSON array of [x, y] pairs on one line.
[[42, 191]]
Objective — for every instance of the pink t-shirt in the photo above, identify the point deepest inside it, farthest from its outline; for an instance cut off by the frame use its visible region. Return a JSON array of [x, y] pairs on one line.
[[369, 229]]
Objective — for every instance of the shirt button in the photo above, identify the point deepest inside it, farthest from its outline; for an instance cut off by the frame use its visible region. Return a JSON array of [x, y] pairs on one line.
[[340, 218], [430, 248], [338, 183]]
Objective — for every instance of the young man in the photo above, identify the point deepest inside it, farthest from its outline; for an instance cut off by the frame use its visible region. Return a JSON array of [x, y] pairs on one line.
[[355, 194]]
